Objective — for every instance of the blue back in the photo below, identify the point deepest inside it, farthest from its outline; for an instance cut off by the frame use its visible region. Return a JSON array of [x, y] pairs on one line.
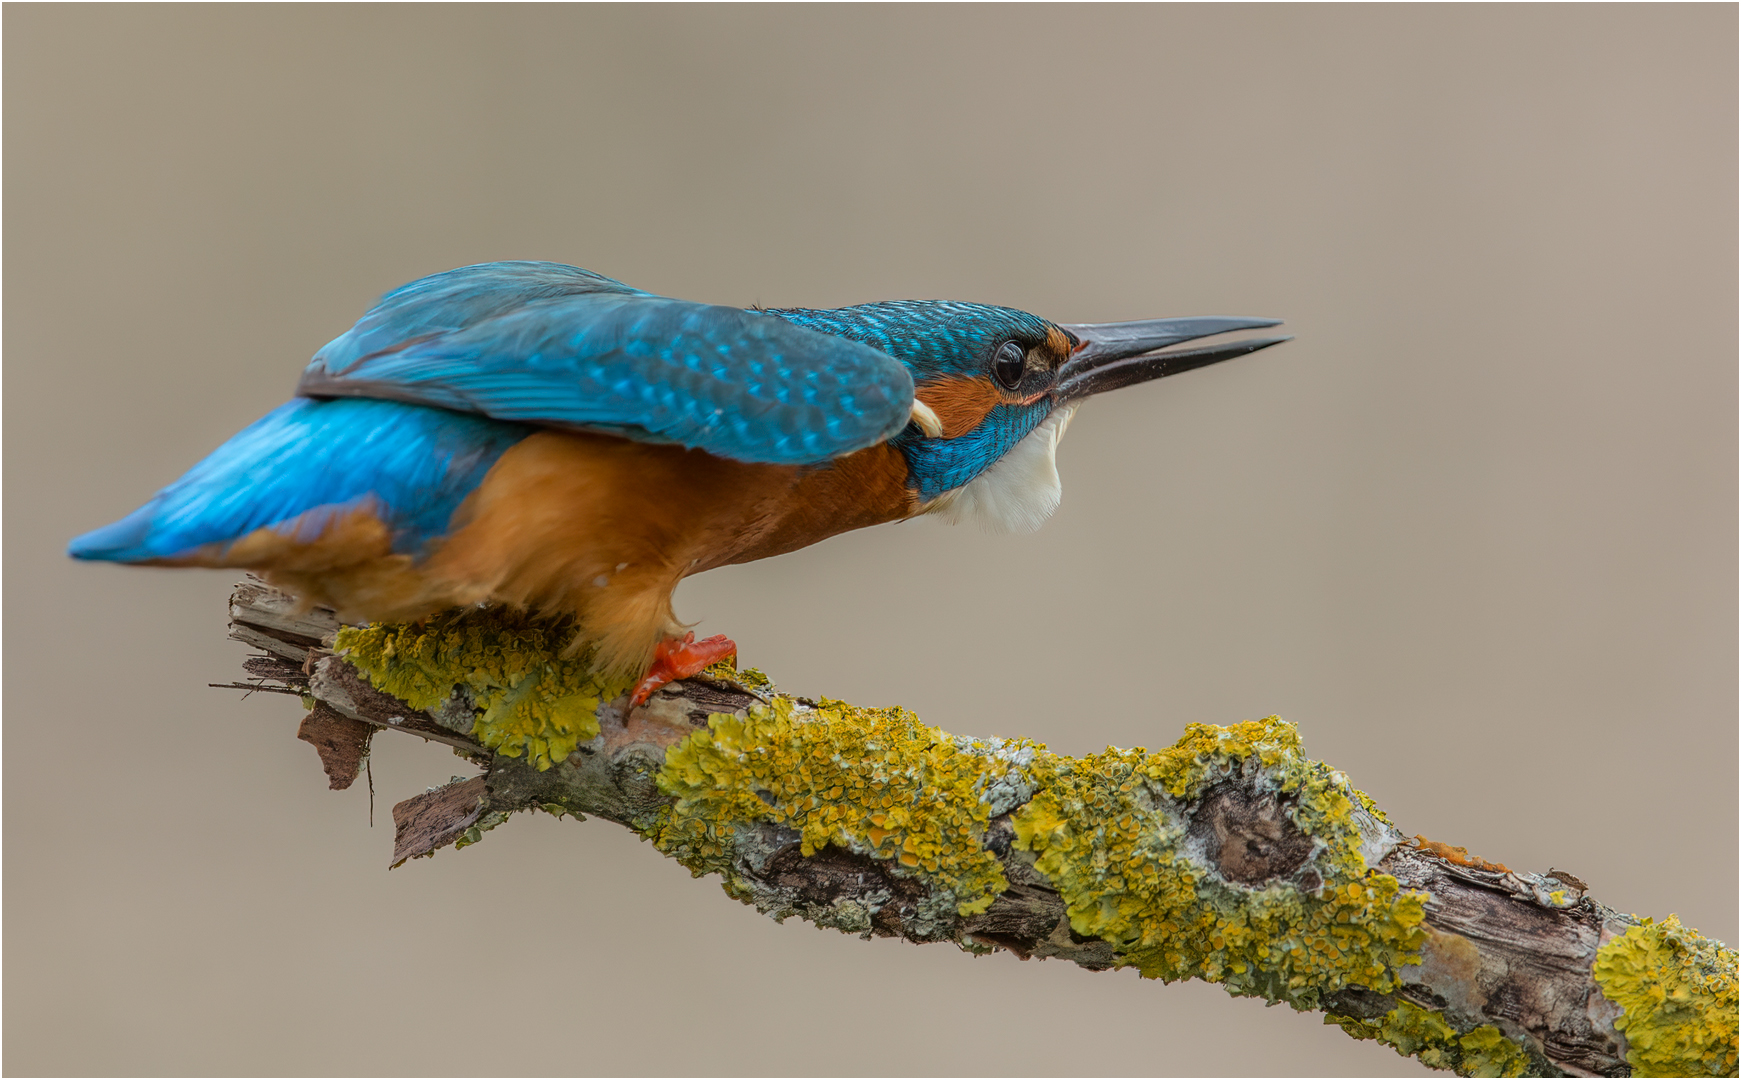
[[414, 464]]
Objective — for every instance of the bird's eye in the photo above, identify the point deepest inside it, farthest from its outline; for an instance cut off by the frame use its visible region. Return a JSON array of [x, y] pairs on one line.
[[1010, 364]]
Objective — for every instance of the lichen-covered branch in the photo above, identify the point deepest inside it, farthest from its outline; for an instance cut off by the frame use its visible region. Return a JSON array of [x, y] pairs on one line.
[[1229, 856]]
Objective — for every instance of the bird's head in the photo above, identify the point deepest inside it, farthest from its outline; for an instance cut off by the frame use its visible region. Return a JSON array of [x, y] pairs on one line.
[[995, 388]]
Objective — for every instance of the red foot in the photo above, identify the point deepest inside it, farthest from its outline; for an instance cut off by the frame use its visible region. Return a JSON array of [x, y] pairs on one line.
[[674, 660]]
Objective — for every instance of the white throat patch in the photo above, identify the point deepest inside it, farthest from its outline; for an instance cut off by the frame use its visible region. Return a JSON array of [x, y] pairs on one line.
[[1020, 491]]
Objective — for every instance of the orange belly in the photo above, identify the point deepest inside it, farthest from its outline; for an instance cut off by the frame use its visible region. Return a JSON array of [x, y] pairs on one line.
[[592, 526]]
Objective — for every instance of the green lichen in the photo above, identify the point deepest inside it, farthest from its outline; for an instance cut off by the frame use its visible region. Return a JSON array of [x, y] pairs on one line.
[[1108, 833], [535, 701], [1678, 990], [876, 782], [479, 827], [1425, 1034]]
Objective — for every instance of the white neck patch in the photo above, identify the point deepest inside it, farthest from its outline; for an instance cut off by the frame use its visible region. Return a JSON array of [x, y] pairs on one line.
[[1020, 491]]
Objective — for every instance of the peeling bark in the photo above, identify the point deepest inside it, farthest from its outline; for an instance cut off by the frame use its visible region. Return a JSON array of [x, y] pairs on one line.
[[341, 742], [1503, 948], [423, 824]]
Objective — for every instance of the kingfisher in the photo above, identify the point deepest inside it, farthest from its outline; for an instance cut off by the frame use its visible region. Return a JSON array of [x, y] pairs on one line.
[[537, 435]]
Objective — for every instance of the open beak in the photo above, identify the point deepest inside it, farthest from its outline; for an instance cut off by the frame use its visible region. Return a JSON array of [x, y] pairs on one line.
[[1111, 355]]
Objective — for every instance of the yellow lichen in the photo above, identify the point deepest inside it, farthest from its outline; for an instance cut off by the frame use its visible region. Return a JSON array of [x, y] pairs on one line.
[[1106, 832], [1425, 1034], [752, 678], [535, 701], [1678, 990], [873, 781]]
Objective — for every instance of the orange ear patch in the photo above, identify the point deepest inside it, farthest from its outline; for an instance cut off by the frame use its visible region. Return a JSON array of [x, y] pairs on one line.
[[1058, 343], [959, 403]]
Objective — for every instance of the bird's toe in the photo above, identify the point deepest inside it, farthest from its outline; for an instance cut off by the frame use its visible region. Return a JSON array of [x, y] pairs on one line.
[[680, 658]]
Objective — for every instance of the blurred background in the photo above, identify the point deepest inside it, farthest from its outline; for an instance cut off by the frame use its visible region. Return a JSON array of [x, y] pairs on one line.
[[1474, 531]]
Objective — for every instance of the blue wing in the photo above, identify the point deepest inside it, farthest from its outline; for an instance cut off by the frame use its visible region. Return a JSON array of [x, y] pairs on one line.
[[554, 345]]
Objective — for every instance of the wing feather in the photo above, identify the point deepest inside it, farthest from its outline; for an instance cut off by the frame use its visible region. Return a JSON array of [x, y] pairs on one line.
[[555, 345]]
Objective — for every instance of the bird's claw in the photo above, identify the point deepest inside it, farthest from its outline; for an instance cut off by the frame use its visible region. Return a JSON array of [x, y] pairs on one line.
[[674, 659]]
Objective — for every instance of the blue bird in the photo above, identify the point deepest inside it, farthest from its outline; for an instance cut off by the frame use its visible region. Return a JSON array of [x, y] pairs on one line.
[[538, 435]]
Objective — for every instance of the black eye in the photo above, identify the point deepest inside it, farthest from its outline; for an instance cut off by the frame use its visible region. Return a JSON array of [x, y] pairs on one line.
[[1009, 364]]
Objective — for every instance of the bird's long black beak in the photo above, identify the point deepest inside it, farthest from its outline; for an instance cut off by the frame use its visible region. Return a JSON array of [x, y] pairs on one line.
[[1111, 355]]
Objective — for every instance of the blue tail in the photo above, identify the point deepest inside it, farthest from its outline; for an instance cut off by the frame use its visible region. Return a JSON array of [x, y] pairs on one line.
[[413, 463]]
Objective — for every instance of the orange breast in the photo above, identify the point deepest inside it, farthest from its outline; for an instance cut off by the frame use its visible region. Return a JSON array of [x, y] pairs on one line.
[[604, 528], [593, 526]]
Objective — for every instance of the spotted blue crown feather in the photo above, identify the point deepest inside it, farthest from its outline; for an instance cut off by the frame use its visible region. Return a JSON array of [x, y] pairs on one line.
[[933, 338]]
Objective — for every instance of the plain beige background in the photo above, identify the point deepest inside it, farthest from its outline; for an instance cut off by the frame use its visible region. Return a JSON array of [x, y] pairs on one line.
[[1474, 530]]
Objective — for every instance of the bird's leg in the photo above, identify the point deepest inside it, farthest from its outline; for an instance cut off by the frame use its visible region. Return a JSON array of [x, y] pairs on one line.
[[674, 659]]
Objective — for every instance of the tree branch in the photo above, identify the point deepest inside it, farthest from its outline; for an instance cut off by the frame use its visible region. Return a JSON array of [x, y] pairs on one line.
[[1229, 857]]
